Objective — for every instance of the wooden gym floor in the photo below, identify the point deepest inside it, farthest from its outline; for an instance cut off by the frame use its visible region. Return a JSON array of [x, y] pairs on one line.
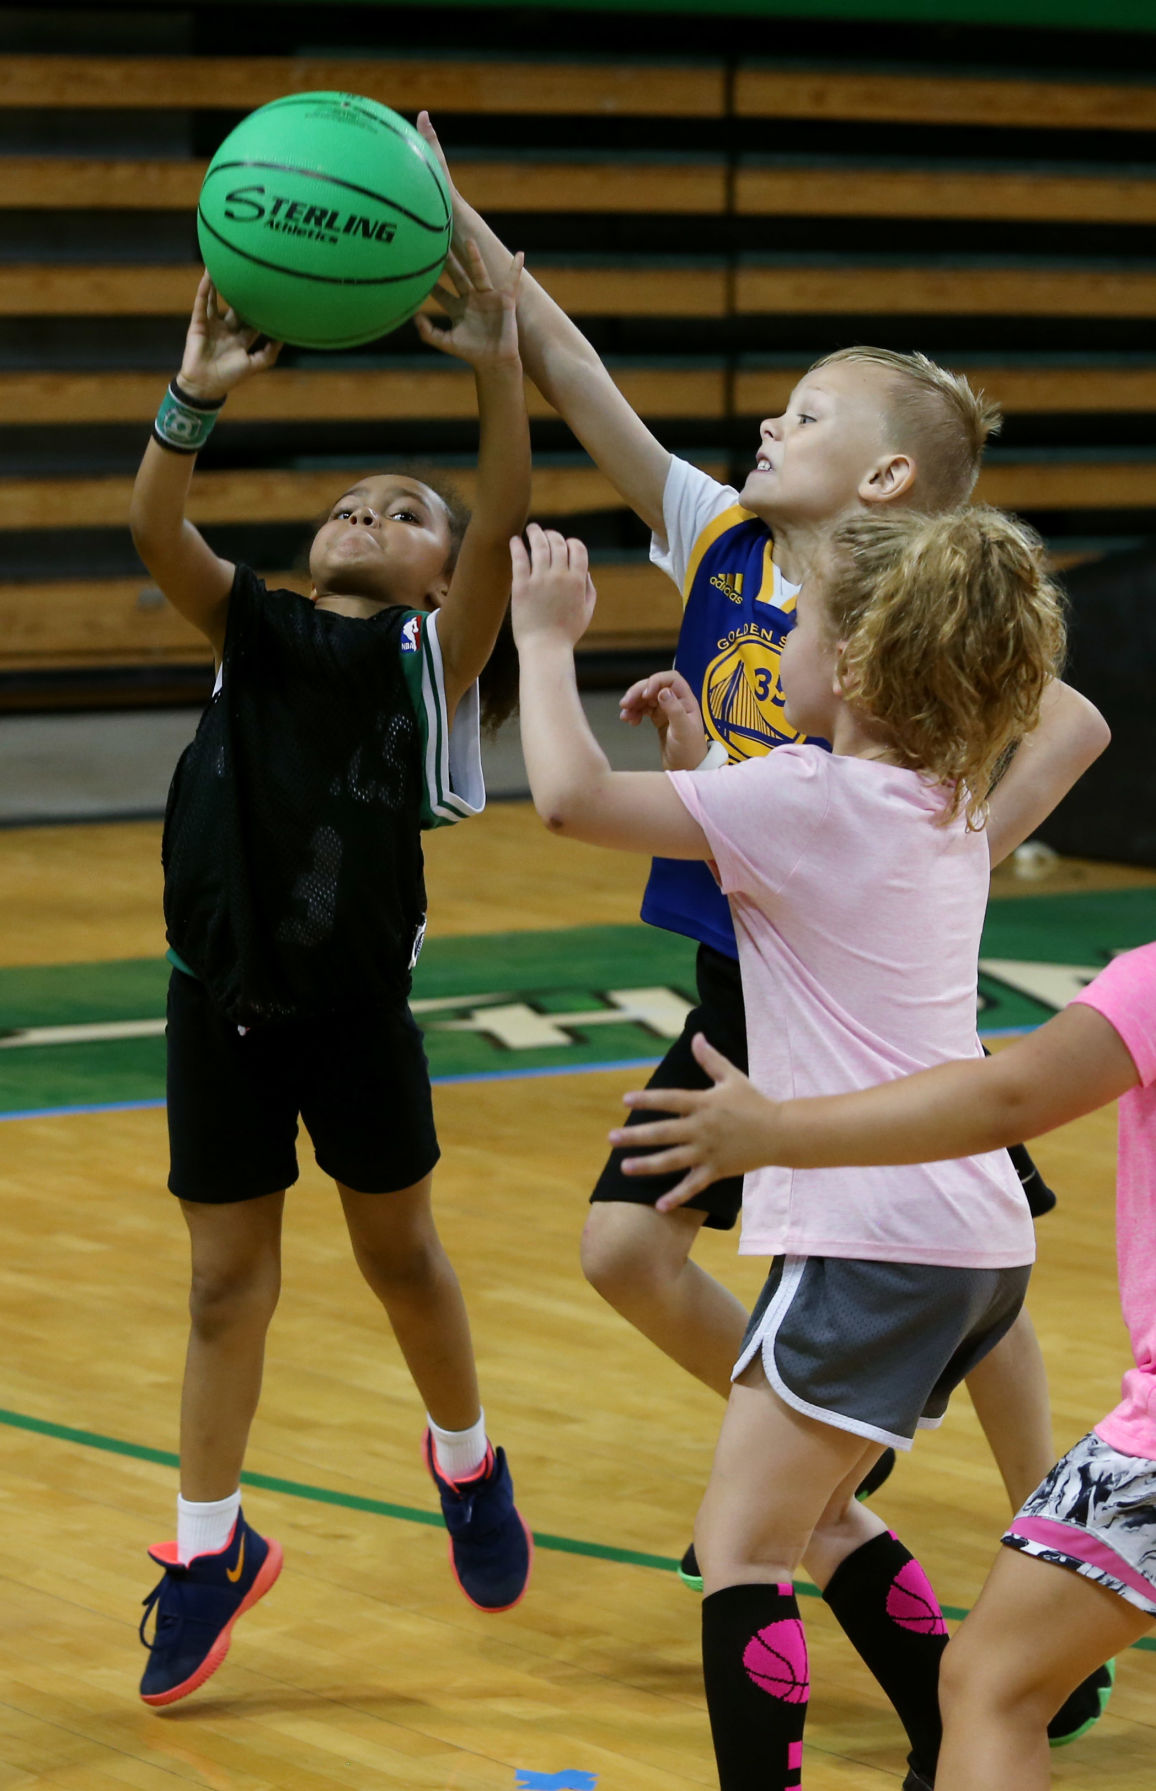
[[365, 1668]]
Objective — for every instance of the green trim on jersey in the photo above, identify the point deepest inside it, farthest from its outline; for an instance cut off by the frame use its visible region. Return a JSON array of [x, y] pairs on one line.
[[425, 682]]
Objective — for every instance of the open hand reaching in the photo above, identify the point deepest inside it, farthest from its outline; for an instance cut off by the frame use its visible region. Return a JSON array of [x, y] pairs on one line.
[[220, 348], [667, 700], [483, 317]]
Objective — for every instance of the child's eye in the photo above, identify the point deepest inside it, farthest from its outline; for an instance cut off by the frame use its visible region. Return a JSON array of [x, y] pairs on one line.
[[405, 516], [804, 418]]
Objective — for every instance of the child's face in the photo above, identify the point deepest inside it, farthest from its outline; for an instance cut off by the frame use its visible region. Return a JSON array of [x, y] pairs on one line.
[[808, 664], [387, 539], [814, 459]]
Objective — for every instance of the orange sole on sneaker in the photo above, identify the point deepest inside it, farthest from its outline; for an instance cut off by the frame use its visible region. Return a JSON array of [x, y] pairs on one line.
[[494, 1610], [266, 1577]]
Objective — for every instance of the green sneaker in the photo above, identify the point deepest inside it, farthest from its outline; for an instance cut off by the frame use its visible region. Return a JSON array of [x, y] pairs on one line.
[[874, 1477], [688, 1571], [1086, 1706]]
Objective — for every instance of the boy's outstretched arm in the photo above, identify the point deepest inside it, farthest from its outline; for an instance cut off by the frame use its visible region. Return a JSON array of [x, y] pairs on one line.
[[1075, 1063], [484, 332], [1069, 736], [574, 789], [219, 354], [569, 374]]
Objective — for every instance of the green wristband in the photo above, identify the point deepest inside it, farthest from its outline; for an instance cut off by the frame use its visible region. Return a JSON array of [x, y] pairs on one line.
[[184, 424]]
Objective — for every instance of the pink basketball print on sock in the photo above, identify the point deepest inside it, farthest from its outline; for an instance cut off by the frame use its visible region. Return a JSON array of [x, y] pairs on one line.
[[912, 1604], [776, 1659]]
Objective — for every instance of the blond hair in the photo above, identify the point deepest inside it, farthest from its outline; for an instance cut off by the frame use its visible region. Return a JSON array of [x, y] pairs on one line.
[[949, 630], [934, 416]]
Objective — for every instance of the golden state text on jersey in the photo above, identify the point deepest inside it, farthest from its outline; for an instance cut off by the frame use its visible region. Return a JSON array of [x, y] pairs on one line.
[[729, 647], [732, 635]]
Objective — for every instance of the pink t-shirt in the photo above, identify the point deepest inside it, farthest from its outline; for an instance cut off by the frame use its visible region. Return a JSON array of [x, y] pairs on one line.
[[858, 922], [1125, 993]]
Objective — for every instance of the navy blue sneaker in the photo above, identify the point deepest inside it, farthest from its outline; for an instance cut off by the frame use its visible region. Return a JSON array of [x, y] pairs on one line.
[[1086, 1705], [196, 1607], [490, 1547]]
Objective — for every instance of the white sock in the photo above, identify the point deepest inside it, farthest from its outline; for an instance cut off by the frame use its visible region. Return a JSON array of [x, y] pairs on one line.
[[205, 1528], [459, 1453]]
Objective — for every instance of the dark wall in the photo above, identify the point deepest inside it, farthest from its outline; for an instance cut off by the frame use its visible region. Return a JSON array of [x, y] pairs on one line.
[[1112, 811]]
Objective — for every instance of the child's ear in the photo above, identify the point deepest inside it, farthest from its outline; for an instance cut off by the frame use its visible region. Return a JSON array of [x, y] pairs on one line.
[[888, 479]]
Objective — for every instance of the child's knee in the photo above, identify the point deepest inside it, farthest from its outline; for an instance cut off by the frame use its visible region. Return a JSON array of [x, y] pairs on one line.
[[403, 1267], [224, 1294], [630, 1252], [979, 1673]]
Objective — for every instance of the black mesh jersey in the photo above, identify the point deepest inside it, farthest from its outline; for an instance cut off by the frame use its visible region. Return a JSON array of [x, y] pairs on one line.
[[292, 851]]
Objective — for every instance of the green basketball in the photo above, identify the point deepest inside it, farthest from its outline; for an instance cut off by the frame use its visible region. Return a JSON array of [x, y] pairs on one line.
[[324, 219]]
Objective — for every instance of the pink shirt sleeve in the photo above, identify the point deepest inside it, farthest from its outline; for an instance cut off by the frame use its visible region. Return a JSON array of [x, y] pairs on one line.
[[1125, 993], [759, 818]]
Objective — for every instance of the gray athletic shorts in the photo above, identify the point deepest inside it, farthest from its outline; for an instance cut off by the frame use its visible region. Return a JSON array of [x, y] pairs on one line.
[[1095, 1513], [877, 1347]]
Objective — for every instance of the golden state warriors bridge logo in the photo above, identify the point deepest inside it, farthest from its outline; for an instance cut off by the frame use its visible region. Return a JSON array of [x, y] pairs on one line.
[[742, 703]]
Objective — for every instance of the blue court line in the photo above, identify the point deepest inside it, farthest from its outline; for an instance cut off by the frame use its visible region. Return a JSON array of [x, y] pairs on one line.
[[527, 1075], [71, 1112], [324, 1495]]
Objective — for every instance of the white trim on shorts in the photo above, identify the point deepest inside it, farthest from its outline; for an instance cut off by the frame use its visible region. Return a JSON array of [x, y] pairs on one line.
[[764, 1341]]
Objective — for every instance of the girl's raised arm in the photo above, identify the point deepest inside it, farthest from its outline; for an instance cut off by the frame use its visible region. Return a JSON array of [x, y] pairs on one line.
[[484, 331], [219, 353], [574, 789]]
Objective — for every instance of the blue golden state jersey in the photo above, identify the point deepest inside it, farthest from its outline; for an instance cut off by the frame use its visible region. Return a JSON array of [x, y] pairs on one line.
[[737, 612]]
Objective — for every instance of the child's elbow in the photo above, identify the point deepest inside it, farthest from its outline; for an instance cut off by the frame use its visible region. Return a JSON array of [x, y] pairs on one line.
[[141, 527], [1087, 730], [559, 811], [556, 816], [1099, 734]]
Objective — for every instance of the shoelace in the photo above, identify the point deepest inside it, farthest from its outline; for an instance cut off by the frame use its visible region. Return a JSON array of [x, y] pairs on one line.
[[165, 1619]]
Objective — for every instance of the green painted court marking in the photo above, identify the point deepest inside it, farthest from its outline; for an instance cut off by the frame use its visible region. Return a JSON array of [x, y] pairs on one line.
[[1102, 15], [320, 1495], [517, 1002], [410, 1514]]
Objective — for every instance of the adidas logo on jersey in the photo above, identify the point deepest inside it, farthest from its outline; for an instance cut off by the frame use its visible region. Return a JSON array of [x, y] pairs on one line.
[[730, 584]]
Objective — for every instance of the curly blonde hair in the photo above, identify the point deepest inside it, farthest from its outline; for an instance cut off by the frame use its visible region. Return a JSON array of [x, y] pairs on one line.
[[935, 416], [949, 630]]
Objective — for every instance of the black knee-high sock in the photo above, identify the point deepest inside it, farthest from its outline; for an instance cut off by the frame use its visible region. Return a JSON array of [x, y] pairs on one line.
[[754, 1663], [884, 1603]]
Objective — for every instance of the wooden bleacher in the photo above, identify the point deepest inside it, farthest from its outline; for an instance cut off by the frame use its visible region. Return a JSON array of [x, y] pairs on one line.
[[1004, 222]]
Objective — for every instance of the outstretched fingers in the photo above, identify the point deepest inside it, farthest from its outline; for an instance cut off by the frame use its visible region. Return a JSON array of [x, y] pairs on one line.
[[425, 126], [266, 356]]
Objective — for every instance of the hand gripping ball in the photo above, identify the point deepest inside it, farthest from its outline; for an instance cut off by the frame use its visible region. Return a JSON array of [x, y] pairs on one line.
[[324, 219]]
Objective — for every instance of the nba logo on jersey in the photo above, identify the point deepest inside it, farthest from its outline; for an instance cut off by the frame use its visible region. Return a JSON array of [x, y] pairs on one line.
[[411, 635]]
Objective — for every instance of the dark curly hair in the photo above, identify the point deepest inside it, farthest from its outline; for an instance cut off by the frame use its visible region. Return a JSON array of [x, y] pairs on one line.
[[498, 683]]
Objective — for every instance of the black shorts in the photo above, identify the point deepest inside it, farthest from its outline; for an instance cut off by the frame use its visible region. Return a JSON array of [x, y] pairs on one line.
[[721, 1018], [359, 1081]]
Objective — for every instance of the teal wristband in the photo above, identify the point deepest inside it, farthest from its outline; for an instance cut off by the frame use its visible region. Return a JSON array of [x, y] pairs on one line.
[[184, 424]]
